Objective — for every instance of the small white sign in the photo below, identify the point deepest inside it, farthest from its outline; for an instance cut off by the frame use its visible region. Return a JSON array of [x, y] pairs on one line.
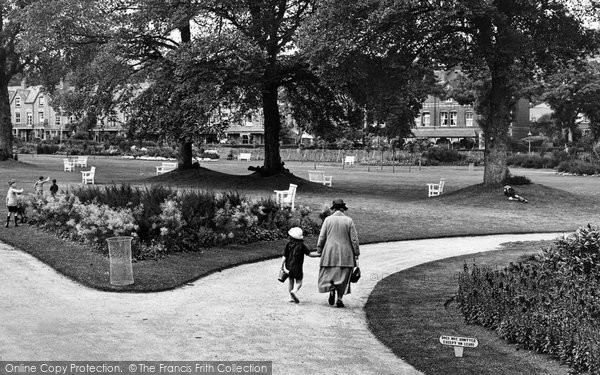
[[459, 341]]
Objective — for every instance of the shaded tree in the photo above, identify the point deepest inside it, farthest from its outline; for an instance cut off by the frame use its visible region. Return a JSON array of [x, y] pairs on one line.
[[572, 90], [502, 44], [17, 56], [378, 74]]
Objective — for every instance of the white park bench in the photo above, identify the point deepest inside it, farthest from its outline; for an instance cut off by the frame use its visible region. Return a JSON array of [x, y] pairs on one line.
[[319, 177], [80, 161], [436, 189], [349, 160], [244, 156], [88, 176], [69, 165], [286, 197], [165, 167]]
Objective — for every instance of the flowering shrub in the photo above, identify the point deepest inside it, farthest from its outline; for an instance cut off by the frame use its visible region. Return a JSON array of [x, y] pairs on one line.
[[163, 220], [550, 303]]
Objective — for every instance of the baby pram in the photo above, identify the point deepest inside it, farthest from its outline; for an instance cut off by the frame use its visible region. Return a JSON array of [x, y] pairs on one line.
[[512, 194]]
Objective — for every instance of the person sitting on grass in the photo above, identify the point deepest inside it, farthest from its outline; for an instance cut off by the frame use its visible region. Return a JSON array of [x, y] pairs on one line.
[[512, 194]]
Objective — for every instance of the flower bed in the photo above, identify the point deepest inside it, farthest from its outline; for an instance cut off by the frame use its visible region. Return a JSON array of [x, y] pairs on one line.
[[549, 303], [163, 220]]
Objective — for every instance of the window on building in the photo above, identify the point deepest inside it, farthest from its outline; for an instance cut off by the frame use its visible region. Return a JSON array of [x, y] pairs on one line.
[[18, 101], [444, 118], [41, 101], [245, 139], [17, 117], [29, 118], [57, 119], [41, 117], [426, 119], [453, 118], [469, 119]]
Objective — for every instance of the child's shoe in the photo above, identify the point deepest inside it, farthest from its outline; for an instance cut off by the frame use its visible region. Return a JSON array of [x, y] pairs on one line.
[[294, 298]]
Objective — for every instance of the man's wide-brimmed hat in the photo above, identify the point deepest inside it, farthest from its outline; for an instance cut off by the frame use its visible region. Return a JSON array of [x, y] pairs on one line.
[[11, 181], [338, 204], [296, 233]]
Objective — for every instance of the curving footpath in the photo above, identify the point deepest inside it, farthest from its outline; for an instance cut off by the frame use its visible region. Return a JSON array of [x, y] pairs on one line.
[[239, 314]]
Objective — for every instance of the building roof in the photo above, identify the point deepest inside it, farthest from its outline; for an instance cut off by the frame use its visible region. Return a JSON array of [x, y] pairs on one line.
[[446, 132], [245, 129]]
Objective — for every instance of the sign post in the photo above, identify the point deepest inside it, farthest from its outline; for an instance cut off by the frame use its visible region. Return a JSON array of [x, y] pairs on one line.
[[459, 343]]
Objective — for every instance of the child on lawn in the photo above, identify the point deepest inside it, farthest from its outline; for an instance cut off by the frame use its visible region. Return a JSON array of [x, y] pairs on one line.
[[293, 260], [53, 188], [39, 186]]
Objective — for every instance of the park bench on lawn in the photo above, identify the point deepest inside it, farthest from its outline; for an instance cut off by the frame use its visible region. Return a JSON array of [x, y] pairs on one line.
[[69, 166], [319, 177], [436, 189], [244, 156], [88, 176], [80, 161], [286, 197], [165, 167], [349, 160]]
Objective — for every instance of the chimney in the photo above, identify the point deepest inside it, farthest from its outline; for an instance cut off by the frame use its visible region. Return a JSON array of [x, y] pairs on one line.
[[23, 84]]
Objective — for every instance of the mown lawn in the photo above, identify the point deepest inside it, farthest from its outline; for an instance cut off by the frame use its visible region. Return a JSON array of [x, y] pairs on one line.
[[409, 310], [386, 204]]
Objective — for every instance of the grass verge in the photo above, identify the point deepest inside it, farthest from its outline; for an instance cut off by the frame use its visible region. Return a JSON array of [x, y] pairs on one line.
[[90, 268], [406, 312]]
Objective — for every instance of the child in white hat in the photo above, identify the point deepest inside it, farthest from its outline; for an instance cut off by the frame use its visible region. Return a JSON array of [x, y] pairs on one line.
[[293, 260]]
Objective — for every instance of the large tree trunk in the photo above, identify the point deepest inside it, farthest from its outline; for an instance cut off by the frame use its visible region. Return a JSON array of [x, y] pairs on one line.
[[185, 155], [6, 136], [185, 146], [496, 122], [272, 164]]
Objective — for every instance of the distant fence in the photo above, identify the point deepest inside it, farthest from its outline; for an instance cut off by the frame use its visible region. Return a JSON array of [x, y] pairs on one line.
[[337, 156]]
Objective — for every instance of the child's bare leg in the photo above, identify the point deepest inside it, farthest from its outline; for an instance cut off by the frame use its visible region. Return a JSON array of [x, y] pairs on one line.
[[298, 285], [293, 290]]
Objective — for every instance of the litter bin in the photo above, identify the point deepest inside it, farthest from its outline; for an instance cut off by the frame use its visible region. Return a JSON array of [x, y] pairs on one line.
[[121, 270]]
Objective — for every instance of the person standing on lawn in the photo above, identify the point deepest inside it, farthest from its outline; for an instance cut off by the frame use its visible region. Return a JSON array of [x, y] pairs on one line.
[[12, 201], [339, 250], [39, 186], [53, 188]]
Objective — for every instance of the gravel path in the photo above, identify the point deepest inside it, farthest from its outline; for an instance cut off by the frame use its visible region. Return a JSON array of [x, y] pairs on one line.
[[239, 314]]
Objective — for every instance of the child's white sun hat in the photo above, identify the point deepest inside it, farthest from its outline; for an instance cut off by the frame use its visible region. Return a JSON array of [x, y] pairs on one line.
[[296, 233]]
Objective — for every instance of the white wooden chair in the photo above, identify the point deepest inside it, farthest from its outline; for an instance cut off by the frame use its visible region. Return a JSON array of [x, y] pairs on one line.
[[286, 197], [166, 167], [69, 166], [81, 161], [244, 156], [436, 189], [349, 160], [319, 177], [88, 176]]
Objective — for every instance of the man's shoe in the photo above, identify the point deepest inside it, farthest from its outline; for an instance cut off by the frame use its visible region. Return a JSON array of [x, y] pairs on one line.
[[339, 303], [331, 297]]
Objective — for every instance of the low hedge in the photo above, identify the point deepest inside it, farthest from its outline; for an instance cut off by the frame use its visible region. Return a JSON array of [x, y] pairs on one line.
[[578, 167], [442, 155], [532, 161], [549, 303]]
